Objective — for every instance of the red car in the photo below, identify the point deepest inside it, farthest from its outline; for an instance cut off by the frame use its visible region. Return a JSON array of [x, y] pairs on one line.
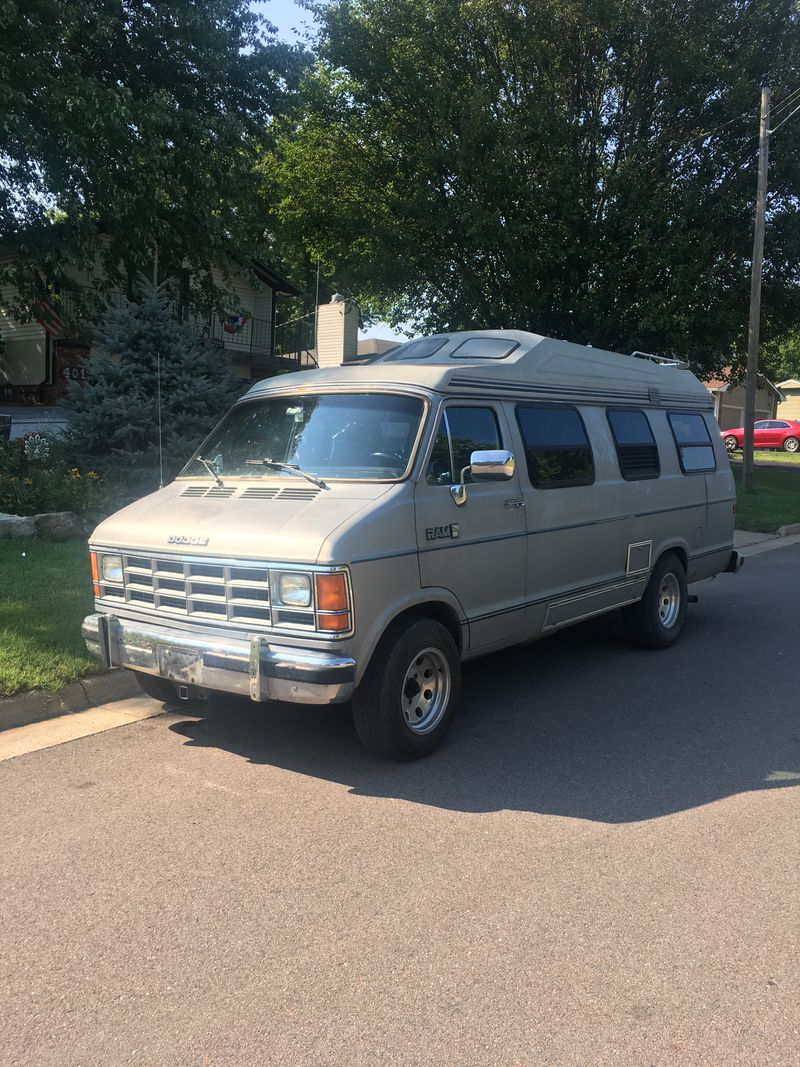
[[767, 433]]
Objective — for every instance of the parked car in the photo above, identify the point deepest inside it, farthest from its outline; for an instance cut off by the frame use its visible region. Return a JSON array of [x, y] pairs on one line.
[[358, 532], [767, 433]]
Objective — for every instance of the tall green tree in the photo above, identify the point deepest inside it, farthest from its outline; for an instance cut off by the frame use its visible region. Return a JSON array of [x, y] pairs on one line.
[[582, 169], [153, 391], [136, 126]]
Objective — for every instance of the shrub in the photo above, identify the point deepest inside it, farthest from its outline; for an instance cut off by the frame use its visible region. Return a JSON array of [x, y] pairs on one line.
[[36, 476]]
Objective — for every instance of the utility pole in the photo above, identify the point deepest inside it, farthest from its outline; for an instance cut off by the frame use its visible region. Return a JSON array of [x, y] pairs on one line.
[[751, 379]]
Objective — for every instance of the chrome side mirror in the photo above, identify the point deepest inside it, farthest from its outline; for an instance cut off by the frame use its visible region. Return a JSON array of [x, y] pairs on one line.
[[496, 465]]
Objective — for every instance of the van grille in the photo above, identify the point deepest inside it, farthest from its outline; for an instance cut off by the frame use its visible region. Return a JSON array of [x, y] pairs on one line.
[[209, 590]]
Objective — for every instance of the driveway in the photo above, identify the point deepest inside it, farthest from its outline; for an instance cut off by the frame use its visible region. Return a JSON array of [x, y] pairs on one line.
[[600, 867]]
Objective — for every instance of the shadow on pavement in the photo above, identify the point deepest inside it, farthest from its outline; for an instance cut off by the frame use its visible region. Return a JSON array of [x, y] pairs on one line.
[[580, 725]]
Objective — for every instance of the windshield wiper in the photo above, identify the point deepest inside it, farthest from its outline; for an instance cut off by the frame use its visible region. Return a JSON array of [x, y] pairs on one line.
[[276, 464], [211, 471]]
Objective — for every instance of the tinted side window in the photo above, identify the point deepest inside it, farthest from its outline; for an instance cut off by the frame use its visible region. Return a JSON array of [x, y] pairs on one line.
[[693, 443], [462, 431], [556, 446], [637, 451]]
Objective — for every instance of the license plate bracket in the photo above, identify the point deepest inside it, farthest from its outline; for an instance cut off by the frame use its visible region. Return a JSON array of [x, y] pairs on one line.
[[180, 665]]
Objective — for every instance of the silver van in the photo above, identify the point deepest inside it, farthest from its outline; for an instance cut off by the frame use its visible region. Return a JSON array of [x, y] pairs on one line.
[[357, 533]]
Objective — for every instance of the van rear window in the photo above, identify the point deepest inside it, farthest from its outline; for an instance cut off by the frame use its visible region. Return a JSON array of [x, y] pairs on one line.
[[695, 450], [556, 446], [637, 452]]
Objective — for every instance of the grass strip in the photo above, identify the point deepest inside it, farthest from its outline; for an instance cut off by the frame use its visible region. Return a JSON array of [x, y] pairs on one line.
[[773, 501], [45, 593]]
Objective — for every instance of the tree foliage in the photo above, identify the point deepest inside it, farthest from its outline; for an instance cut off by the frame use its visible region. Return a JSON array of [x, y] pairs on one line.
[[582, 169], [137, 126], [114, 414]]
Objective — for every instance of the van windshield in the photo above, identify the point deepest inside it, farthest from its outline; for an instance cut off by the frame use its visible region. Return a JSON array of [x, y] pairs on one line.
[[367, 436]]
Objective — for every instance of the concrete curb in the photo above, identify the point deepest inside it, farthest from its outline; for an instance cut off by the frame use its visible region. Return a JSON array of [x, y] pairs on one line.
[[790, 530], [40, 704]]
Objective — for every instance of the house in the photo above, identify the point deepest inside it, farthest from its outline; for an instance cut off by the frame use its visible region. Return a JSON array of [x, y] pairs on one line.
[[789, 407], [729, 400], [39, 356]]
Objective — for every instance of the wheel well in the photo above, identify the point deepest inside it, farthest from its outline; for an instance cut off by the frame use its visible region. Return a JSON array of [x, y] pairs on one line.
[[680, 553], [440, 612]]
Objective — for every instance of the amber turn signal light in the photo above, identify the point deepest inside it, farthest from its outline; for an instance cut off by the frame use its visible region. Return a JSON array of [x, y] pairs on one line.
[[95, 576], [335, 622], [332, 595]]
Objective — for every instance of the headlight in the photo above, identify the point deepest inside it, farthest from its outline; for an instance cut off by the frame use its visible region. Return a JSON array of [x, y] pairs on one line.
[[294, 590], [112, 569]]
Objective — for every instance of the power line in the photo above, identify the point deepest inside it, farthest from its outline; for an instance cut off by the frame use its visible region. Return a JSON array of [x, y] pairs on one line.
[[722, 125], [774, 128], [787, 102]]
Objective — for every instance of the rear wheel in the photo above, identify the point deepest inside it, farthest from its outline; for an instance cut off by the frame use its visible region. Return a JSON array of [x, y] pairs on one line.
[[731, 444], [157, 688], [791, 444], [657, 619], [406, 700]]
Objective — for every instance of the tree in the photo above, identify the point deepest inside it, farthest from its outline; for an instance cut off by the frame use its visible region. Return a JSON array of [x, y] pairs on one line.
[[137, 127], [114, 414], [579, 169]]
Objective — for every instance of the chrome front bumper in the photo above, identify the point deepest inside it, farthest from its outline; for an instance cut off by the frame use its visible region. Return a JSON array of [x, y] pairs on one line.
[[249, 666]]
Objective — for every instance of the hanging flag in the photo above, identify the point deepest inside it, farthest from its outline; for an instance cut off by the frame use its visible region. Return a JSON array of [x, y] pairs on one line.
[[49, 319], [234, 323]]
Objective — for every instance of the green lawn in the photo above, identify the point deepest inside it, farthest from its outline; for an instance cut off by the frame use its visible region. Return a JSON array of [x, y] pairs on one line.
[[773, 501], [762, 455], [45, 592]]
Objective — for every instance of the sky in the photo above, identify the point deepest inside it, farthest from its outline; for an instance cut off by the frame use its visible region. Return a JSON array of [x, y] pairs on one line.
[[286, 16], [292, 23]]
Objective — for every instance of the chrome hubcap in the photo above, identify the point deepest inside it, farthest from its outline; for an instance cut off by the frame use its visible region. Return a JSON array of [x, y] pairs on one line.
[[791, 445], [426, 690], [669, 600]]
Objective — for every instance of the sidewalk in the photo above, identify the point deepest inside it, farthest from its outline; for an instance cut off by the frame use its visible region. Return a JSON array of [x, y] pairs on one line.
[[752, 543]]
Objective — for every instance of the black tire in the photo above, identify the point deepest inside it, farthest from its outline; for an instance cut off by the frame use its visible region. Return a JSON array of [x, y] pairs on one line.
[[731, 444], [656, 621], [791, 444], [157, 688], [411, 650]]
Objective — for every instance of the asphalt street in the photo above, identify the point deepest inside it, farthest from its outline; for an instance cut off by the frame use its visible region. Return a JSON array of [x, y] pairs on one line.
[[601, 867]]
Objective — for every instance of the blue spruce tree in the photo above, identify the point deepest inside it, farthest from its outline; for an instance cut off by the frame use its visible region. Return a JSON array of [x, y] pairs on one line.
[[113, 414]]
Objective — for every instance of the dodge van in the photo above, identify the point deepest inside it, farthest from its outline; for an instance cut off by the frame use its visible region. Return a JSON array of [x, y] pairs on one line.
[[357, 533]]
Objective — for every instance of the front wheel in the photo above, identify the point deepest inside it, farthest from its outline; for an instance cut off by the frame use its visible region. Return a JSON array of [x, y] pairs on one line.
[[731, 444], [657, 619], [791, 444], [406, 700]]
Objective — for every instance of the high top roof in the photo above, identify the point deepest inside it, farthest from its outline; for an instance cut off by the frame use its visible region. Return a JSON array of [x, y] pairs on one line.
[[510, 363]]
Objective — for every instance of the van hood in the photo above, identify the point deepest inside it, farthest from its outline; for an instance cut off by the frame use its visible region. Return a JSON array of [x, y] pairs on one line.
[[276, 519]]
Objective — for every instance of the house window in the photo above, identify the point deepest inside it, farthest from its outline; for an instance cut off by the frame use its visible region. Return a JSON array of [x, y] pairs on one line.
[[556, 446], [637, 451], [462, 431], [695, 450]]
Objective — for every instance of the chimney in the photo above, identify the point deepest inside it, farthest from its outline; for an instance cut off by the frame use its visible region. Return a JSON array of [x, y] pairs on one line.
[[337, 332]]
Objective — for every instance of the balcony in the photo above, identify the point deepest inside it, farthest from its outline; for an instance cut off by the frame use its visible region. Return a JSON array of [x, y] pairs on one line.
[[240, 334]]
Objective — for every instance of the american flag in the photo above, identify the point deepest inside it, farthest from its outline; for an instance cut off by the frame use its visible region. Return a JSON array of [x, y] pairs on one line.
[[49, 319]]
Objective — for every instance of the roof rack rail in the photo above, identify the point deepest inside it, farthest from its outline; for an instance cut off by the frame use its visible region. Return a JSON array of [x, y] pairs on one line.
[[661, 360]]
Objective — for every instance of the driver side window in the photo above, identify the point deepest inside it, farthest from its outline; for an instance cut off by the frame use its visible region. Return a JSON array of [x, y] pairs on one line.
[[462, 431]]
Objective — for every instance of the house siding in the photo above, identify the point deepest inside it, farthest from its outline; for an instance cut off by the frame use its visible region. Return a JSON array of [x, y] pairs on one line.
[[23, 360], [790, 407], [730, 413]]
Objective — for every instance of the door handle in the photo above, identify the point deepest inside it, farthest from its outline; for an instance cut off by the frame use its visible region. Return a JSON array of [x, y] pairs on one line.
[[515, 503]]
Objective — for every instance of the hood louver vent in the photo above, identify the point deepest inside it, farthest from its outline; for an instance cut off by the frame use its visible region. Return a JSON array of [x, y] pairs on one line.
[[212, 491], [254, 492], [298, 494], [260, 492]]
